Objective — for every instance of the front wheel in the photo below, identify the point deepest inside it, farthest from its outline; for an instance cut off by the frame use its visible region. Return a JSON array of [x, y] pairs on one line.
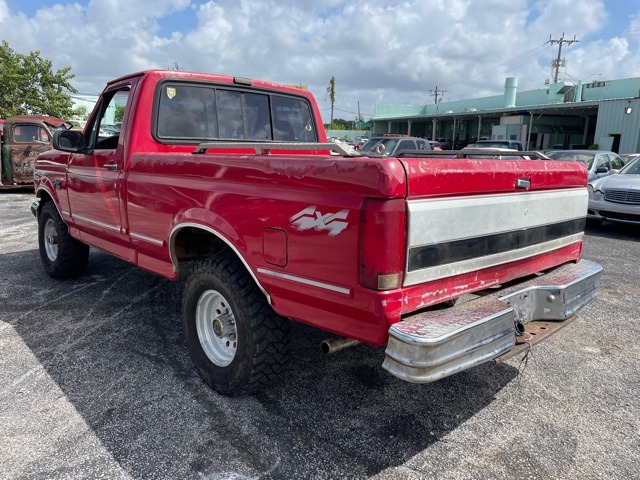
[[62, 255], [237, 341]]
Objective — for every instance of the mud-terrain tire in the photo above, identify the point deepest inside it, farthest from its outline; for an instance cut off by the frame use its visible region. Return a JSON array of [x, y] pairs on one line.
[[62, 255], [238, 343]]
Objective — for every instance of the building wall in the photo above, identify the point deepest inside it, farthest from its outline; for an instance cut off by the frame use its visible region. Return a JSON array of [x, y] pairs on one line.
[[568, 114], [614, 122]]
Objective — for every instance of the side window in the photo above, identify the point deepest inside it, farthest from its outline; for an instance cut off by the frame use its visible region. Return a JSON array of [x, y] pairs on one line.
[[423, 145], [292, 120], [29, 134], [616, 162], [187, 111], [104, 133], [406, 145], [602, 161]]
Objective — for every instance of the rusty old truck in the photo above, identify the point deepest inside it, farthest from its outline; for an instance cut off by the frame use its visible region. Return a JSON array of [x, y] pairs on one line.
[[232, 180], [23, 138]]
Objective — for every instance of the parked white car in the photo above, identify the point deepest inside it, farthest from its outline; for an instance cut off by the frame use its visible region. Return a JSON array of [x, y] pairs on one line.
[[616, 197]]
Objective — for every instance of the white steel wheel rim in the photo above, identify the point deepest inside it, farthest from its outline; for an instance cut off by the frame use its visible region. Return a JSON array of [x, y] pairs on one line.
[[51, 240], [216, 326]]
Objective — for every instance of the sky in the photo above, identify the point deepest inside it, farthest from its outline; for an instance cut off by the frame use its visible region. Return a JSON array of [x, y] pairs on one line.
[[380, 52]]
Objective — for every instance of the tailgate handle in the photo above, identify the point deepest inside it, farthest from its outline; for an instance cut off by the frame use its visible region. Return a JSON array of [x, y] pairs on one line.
[[523, 183]]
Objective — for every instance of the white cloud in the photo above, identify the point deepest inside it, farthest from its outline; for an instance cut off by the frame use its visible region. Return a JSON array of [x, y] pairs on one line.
[[571, 17], [380, 51], [4, 11]]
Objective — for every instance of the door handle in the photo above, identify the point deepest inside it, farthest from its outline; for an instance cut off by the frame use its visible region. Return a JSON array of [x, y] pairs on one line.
[[111, 166]]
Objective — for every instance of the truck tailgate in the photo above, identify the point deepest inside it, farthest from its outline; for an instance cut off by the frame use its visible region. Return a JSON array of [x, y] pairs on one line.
[[437, 177], [475, 224], [466, 215]]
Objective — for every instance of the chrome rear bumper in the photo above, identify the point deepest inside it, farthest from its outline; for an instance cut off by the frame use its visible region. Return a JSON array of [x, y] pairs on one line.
[[433, 345]]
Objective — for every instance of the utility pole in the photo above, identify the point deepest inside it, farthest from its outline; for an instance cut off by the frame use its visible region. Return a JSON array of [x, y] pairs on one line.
[[556, 63], [435, 93], [332, 96]]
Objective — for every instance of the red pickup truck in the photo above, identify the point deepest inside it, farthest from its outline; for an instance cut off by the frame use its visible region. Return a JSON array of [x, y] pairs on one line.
[[234, 180]]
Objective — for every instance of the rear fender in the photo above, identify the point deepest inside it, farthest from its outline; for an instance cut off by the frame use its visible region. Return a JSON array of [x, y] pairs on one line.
[[217, 226]]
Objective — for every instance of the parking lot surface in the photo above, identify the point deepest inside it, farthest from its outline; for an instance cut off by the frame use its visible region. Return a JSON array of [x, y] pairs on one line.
[[96, 382]]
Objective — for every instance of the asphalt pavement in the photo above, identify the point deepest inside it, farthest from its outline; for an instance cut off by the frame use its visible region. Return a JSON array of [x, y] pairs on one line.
[[96, 382]]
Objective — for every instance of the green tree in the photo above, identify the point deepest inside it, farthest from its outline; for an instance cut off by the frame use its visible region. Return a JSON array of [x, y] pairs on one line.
[[338, 124], [119, 113], [29, 86], [82, 111]]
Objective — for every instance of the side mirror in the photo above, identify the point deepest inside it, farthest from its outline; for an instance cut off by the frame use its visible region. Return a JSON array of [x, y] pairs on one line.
[[602, 170], [68, 141]]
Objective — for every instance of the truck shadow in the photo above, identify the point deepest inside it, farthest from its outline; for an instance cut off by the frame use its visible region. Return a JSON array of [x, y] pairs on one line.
[[112, 342]]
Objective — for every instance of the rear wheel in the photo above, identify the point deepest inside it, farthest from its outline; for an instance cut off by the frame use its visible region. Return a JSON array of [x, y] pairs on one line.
[[237, 341], [62, 255]]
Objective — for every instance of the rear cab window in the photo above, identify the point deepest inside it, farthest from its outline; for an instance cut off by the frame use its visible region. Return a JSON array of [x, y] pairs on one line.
[[193, 113]]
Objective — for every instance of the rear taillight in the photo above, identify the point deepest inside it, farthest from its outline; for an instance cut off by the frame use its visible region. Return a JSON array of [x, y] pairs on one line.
[[382, 243]]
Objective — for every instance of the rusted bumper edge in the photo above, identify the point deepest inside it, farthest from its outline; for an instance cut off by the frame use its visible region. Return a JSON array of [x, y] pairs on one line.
[[433, 345]]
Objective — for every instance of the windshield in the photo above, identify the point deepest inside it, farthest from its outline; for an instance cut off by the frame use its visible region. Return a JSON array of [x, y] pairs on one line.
[[631, 168], [586, 158]]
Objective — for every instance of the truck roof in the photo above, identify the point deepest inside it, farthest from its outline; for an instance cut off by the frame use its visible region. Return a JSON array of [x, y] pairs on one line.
[[215, 78], [49, 120]]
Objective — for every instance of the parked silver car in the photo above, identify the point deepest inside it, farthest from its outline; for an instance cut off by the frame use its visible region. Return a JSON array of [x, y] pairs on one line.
[[391, 145], [616, 197], [510, 144], [600, 163], [627, 157]]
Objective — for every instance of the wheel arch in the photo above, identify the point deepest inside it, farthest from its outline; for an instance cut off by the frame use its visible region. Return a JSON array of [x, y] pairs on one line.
[[193, 240], [44, 195]]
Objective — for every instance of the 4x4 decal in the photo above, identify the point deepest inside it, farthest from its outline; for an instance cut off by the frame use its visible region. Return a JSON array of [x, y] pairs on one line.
[[311, 218]]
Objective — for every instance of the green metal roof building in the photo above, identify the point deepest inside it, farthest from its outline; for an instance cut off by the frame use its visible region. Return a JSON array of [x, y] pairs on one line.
[[563, 115]]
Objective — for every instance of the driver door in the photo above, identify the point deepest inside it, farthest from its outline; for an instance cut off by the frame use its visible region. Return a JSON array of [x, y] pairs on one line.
[[94, 178]]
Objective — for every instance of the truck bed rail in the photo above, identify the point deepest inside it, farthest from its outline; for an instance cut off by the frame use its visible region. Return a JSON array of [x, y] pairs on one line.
[[499, 153], [264, 148]]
